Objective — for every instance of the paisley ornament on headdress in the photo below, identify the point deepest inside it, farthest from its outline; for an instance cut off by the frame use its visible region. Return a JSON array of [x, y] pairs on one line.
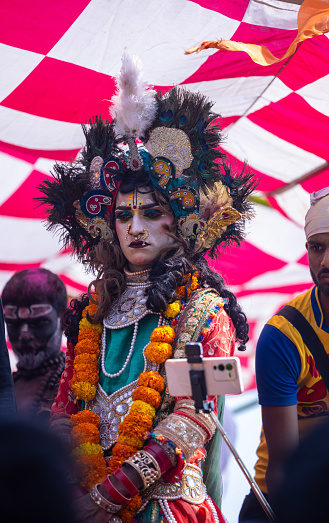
[[163, 170], [190, 226], [173, 144], [185, 197], [109, 174], [95, 170], [94, 203]]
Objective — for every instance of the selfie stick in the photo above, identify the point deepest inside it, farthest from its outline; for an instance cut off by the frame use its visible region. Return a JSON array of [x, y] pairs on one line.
[[193, 353]]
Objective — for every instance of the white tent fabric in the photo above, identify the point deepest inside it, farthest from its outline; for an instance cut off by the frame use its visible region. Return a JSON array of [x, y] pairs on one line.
[[58, 61]]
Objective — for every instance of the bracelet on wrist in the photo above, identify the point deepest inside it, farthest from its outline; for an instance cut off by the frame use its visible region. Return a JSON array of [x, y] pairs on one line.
[[126, 482], [147, 467], [102, 502], [114, 493]]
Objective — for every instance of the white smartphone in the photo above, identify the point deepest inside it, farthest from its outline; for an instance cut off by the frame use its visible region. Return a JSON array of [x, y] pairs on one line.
[[222, 376]]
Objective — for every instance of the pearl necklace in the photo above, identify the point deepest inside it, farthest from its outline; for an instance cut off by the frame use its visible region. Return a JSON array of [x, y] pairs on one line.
[[114, 375], [162, 321]]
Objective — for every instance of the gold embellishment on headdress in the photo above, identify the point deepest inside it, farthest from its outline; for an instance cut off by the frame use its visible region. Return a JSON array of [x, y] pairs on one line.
[[218, 224], [96, 227], [190, 226], [173, 144]]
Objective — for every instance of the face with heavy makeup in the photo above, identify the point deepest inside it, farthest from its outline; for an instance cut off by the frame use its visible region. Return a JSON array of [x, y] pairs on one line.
[[33, 324], [142, 227]]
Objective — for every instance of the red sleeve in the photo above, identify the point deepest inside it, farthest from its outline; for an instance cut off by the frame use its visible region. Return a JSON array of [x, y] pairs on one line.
[[220, 338], [65, 403]]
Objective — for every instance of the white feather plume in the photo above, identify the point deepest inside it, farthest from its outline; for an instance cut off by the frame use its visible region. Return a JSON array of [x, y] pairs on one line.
[[134, 106]]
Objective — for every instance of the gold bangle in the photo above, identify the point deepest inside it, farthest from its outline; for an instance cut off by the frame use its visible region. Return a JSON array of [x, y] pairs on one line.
[[146, 466], [102, 502]]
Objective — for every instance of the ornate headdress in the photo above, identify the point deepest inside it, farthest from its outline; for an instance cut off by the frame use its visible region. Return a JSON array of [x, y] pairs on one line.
[[180, 137]]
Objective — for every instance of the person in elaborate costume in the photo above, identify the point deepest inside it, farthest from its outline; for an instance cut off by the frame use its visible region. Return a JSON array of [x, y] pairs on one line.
[[142, 217]]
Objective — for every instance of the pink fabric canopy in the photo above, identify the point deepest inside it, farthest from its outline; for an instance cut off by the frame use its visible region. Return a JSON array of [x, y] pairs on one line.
[[58, 60]]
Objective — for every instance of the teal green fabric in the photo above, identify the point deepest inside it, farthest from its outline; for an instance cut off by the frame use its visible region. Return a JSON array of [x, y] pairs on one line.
[[118, 343], [211, 470]]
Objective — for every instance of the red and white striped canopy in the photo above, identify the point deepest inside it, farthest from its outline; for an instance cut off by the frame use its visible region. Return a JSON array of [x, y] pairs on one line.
[[58, 61]]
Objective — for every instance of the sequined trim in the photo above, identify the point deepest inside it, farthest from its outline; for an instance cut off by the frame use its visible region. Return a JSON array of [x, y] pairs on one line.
[[113, 409], [191, 488], [193, 317]]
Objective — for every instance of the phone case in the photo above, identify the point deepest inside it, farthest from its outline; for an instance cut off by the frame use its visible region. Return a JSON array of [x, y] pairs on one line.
[[222, 376]]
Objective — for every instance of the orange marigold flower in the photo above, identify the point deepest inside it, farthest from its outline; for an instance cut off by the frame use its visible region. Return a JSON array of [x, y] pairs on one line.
[[84, 433], [131, 429], [84, 390], [88, 346], [93, 470], [89, 334], [87, 359], [143, 408], [131, 440], [158, 352], [152, 379], [85, 416], [116, 463], [85, 375], [148, 395], [120, 450], [140, 419], [130, 509], [164, 334]]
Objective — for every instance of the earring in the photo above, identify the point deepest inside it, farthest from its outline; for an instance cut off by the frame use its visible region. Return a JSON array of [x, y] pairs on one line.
[[128, 231]]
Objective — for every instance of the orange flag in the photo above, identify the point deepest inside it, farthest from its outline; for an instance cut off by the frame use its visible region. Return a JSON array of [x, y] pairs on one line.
[[313, 19]]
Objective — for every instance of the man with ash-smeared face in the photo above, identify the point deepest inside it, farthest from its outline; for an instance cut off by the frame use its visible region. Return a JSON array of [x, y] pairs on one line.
[[34, 300]]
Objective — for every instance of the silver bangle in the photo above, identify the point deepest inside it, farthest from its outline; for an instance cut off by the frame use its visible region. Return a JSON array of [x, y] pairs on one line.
[[102, 502]]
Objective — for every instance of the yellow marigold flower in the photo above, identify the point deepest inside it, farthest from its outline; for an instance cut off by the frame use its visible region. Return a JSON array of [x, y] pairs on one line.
[[84, 391], [131, 440], [152, 379], [150, 396], [87, 449], [143, 408], [85, 324], [173, 309], [158, 352], [85, 416], [164, 334]]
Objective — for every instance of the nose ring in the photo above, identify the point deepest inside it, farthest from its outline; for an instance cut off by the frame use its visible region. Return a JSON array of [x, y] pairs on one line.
[[142, 236]]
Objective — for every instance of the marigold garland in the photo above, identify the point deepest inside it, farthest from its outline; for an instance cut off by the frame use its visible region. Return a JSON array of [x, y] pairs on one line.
[[147, 398]]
